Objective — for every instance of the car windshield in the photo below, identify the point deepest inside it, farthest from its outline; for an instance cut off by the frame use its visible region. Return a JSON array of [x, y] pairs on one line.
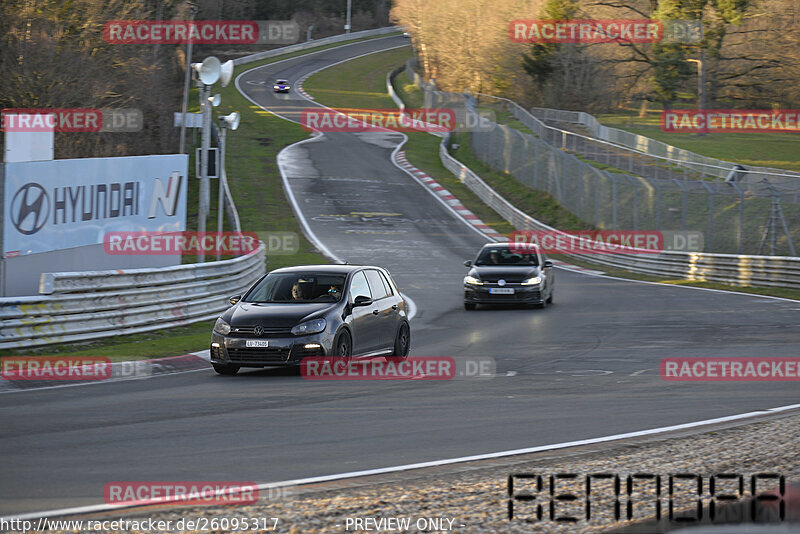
[[505, 256], [297, 288], [282, 82]]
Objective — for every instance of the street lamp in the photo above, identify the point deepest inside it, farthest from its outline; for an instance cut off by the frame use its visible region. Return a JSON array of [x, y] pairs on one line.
[[701, 82], [209, 72], [228, 121]]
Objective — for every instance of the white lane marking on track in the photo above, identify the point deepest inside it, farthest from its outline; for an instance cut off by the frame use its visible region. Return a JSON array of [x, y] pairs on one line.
[[437, 463]]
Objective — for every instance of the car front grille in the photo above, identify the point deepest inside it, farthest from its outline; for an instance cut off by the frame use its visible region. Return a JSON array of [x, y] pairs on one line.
[[528, 295], [258, 355], [269, 331]]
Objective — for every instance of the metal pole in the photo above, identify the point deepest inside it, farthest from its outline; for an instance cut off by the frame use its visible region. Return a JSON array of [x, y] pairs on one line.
[[702, 88], [204, 186], [221, 173], [186, 78], [347, 24]]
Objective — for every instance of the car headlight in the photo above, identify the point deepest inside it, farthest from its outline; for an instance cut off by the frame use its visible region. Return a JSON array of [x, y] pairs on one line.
[[221, 327], [472, 280], [532, 281], [313, 326]]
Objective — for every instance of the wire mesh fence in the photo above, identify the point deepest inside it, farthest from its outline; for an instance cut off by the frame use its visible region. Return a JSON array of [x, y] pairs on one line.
[[616, 188], [733, 219]]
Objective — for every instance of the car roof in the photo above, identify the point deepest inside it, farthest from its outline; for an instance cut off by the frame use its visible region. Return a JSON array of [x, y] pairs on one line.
[[281, 80], [329, 269], [506, 244]]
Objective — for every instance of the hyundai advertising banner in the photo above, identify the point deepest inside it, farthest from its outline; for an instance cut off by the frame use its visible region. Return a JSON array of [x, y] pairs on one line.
[[61, 204]]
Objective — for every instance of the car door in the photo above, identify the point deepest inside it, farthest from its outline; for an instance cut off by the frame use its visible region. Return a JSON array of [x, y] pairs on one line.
[[386, 308], [365, 321]]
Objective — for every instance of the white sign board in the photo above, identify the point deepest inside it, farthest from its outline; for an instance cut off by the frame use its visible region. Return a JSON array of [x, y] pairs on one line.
[[67, 203], [193, 120], [29, 146]]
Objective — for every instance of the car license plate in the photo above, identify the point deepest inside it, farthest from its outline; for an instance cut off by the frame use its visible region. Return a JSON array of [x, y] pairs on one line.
[[259, 343], [501, 291]]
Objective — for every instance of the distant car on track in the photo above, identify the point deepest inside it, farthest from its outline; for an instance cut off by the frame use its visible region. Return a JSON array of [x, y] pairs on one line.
[[509, 273], [281, 86], [314, 310]]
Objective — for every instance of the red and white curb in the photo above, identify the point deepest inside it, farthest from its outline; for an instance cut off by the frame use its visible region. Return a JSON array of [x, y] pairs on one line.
[[298, 86], [448, 197], [467, 215]]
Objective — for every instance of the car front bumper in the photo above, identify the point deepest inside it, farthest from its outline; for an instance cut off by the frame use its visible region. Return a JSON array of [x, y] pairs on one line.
[[522, 294], [282, 351]]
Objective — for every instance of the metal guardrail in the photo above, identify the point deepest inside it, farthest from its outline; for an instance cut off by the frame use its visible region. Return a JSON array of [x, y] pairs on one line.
[[762, 271], [77, 306], [314, 43], [706, 165]]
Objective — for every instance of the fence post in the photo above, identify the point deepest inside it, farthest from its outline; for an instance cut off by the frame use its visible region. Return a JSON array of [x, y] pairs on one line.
[[710, 240], [632, 180], [683, 204], [740, 233], [614, 200]]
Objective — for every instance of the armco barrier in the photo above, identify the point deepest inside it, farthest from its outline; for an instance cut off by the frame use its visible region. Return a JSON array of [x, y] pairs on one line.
[[763, 271], [639, 143], [88, 305], [314, 43]]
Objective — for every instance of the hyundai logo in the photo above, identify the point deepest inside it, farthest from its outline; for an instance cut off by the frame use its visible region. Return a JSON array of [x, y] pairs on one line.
[[501, 282], [258, 331], [30, 208]]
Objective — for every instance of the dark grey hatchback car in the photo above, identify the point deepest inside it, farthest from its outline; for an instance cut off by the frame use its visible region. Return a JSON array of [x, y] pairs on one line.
[[312, 310], [505, 273]]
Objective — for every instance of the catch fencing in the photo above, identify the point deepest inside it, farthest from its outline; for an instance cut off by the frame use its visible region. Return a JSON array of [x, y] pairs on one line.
[[616, 188], [550, 168], [642, 148]]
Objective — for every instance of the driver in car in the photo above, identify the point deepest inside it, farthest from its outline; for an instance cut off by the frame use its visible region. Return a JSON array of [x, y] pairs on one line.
[[299, 291]]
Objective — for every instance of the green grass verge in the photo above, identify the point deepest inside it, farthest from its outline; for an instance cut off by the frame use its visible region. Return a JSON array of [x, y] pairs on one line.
[[359, 83], [257, 190]]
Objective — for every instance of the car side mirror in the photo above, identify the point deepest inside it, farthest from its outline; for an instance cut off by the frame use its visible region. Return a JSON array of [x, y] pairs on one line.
[[362, 300], [234, 299], [468, 263], [548, 263]]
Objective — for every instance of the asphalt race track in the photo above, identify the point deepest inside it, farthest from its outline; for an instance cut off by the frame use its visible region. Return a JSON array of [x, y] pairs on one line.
[[585, 367]]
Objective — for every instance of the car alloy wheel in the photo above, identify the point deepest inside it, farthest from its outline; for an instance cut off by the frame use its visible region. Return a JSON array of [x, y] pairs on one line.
[[343, 346], [402, 343]]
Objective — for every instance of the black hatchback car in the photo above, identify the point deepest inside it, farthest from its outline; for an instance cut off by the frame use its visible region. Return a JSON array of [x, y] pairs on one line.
[[313, 310], [509, 273]]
